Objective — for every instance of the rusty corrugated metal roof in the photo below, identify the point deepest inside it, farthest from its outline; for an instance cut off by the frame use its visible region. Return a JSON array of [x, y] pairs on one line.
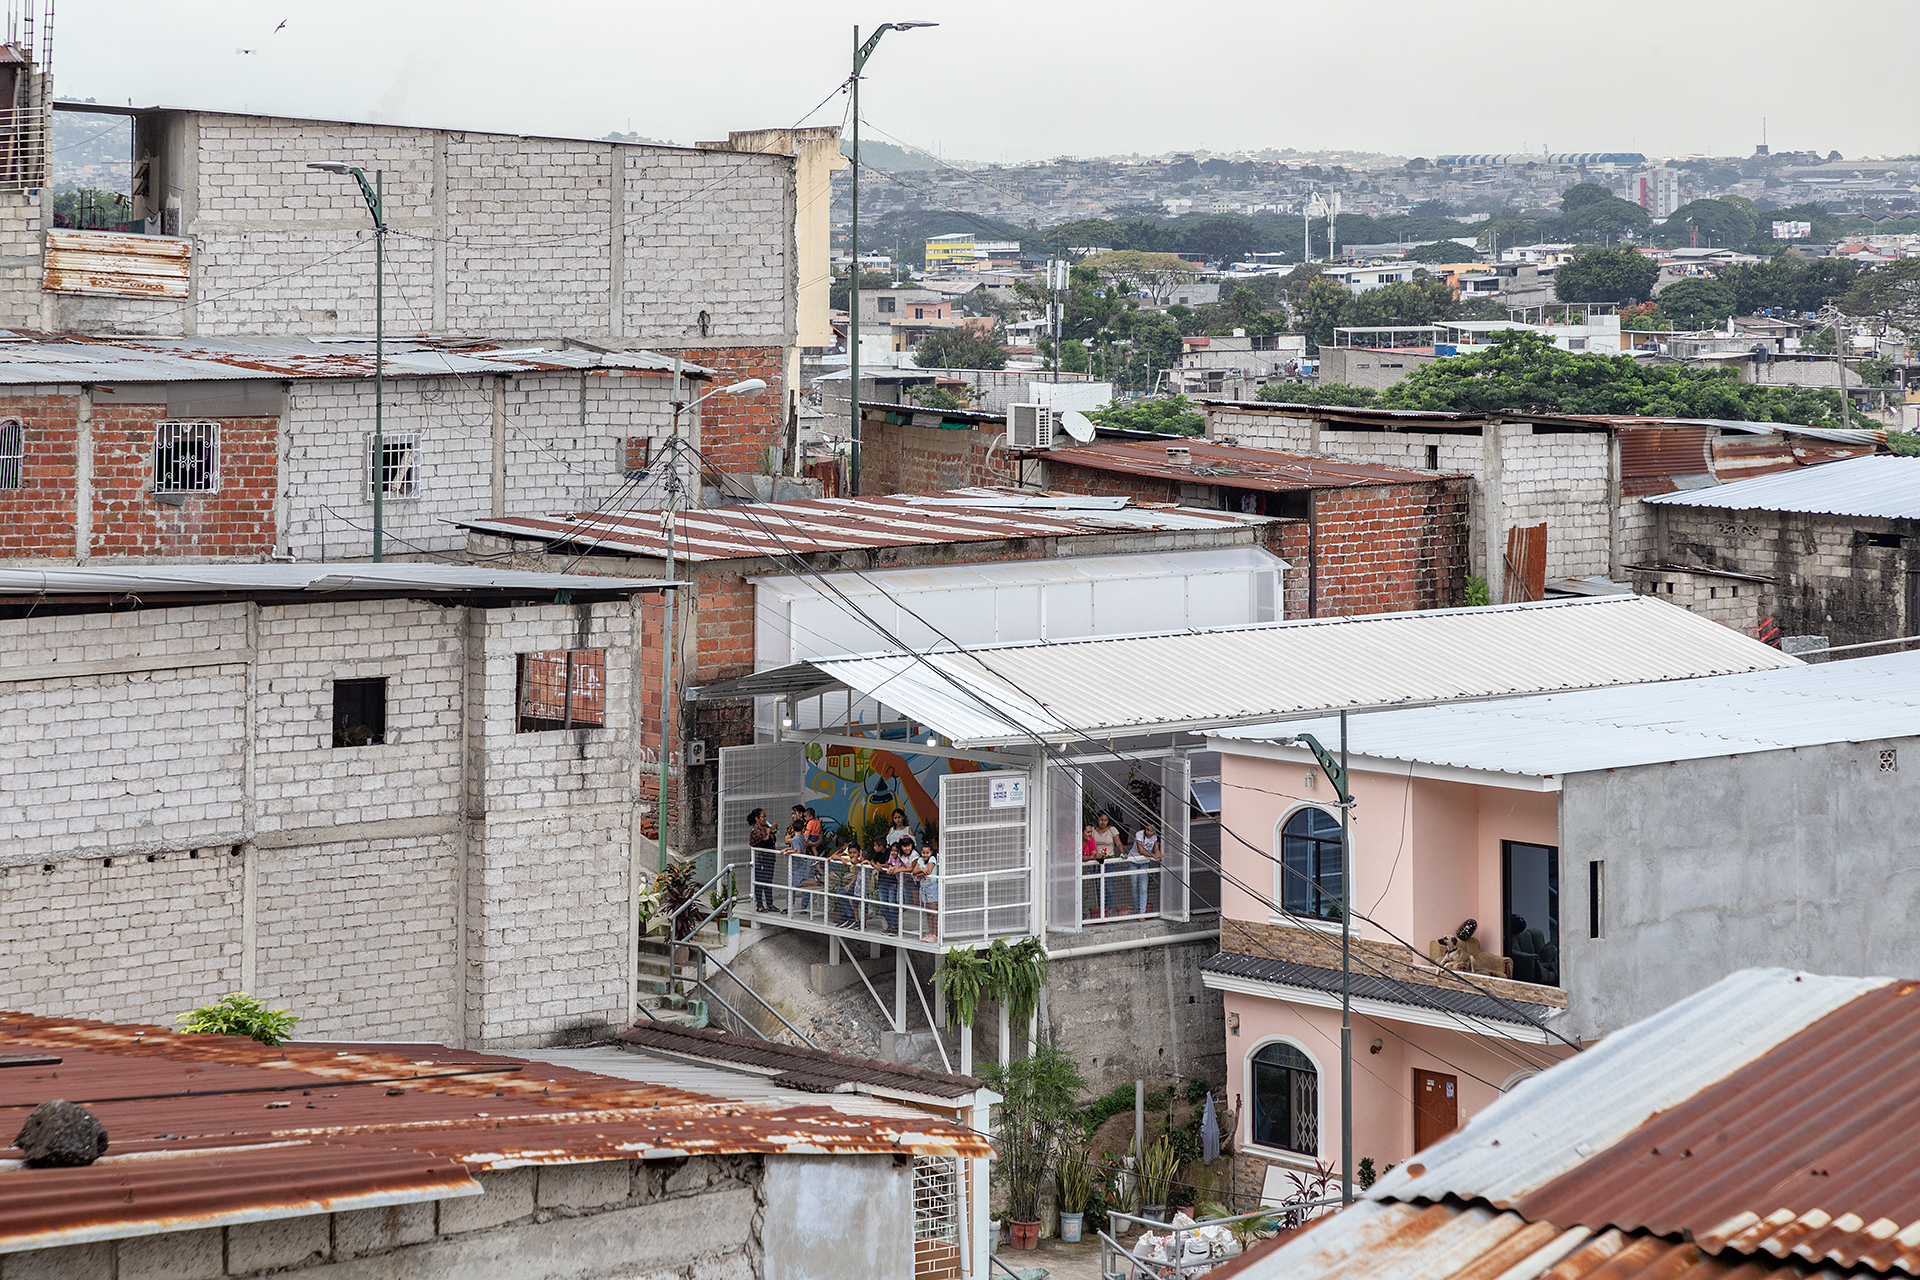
[[1806, 1151], [783, 529], [122, 266], [1232, 467], [817, 1065], [212, 1129]]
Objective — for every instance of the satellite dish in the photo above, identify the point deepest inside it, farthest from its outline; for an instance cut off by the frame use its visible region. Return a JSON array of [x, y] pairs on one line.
[[1077, 425]]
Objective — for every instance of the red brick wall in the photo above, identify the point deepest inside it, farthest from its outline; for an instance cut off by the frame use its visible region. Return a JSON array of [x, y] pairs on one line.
[[1293, 543], [1107, 484], [39, 519], [737, 431], [897, 459], [237, 520], [1390, 547]]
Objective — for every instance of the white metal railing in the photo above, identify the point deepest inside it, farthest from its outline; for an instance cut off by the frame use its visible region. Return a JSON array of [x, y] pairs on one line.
[[1119, 889], [938, 908]]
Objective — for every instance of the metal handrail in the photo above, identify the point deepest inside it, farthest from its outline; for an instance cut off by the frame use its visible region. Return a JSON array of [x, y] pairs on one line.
[[1175, 1268], [721, 1001], [995, 1259], [694, 899], [704, 951]]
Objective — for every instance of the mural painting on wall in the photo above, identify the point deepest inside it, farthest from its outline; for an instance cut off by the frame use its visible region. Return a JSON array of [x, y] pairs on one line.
[[858, 788]]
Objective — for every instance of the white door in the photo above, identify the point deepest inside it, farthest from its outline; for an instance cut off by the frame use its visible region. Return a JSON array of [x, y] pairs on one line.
[[1063, 849], [767, 775], [1176, 863], [985, 871]]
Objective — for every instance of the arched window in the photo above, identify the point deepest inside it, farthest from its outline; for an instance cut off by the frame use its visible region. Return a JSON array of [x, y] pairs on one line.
[[1286, 1100], [1310, 864]]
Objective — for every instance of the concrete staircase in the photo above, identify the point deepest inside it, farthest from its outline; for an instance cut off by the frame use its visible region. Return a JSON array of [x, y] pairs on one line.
[[667, 986]]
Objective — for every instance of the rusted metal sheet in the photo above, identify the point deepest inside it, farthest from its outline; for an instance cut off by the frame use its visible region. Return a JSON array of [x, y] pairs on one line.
[[567, 686], [225, 1130], [1665, 451], [1526, 576], [120, 266], [1231, 467], [1804, 1152], [784, 529], [1739, 460]]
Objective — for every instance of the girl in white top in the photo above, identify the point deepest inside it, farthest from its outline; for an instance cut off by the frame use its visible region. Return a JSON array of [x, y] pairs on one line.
[[1145, 852]]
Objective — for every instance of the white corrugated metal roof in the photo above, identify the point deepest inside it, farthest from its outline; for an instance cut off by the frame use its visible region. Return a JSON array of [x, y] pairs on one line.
[[1555, 734], [1886, 486], [1064, 691], [196, 579], [1547, 1125]]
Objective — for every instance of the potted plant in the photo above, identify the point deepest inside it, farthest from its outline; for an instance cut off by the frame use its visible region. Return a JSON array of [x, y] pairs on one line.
[[1158, 1168], [676, 888], [721, 900], [1073, 1188], [1037, 1102], [649, 906]]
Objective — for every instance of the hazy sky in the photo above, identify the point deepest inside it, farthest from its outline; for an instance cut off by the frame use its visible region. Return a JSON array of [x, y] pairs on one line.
[[999, 79]]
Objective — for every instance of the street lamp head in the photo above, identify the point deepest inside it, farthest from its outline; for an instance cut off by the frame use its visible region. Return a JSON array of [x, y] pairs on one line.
[[751, 386], [331, 166], [908, 26]]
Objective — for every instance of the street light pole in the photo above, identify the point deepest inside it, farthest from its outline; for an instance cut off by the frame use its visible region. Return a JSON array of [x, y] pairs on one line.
[[375, 194], [861, 52], [667, 701]]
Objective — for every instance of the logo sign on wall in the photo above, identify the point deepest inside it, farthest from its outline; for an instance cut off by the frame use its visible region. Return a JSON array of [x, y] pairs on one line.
[[1007, 793]]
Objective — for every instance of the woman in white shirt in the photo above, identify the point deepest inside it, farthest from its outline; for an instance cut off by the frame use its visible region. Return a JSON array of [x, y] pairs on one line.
[[1145, 852]]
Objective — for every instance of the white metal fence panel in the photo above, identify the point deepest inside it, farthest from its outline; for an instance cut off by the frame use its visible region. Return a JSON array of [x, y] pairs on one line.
[[985, 866], [1063, 849], [764, 776], [1176, 858]]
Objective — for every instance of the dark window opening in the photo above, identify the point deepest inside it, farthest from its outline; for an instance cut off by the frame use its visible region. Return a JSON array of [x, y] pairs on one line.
[[1530, 893], [562, 689], [360, 712], [1310, 865], [1595, 882], [1433, 457], [13, 454], [1893, 540], [637, 452], [1286, 1100], [884, 304], [186, 457]]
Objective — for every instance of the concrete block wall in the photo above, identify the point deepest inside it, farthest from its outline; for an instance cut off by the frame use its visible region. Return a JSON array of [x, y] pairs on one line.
[[703, 1217], [21, 223], [175, 822], [1561, 480], [551, 873]]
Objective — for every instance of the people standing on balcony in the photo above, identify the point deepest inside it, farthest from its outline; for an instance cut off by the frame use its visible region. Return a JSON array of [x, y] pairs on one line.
[[898, 829], [1108, 843], [927, 874], [801, 870], [900, 858], [763, 840], [1145, 853]]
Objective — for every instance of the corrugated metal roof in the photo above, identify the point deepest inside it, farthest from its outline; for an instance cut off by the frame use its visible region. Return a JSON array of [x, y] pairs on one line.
[[39, 358], [1262, 469], [1556, 734], [1065, 690], [1010, 573], [207, 1130], [778, 529], [766, 1058], [318, 578], [1805, 1151], [1883, 486], [1553, 1123], [1419, 995]]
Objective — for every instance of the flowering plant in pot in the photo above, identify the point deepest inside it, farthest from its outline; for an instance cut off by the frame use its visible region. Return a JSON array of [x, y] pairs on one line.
[[1037, 1104]]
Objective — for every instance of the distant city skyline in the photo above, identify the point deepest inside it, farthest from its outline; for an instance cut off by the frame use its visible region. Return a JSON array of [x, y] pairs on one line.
[[1011, 82]]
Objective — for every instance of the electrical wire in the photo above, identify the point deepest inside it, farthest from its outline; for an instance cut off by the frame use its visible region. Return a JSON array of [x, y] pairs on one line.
[[1048, 754]]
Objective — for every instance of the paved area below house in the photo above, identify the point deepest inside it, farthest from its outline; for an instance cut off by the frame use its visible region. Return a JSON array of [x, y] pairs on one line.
[[1060, 1261]]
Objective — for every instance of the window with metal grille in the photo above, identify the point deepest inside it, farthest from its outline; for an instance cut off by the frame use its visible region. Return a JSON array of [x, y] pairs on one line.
[[936, 1218], [186, 457], [360, 712], [562, 689], [13, 453], [399, 466], [1286, 1100], [637, 452]]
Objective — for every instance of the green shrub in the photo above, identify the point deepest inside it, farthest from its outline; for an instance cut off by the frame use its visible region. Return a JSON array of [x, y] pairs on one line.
[[240, 1014]]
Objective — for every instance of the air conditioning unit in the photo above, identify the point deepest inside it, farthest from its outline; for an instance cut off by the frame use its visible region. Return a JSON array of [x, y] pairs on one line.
[[1030, 426]]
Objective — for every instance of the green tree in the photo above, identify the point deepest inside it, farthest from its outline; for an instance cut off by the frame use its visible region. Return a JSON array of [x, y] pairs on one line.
[[1323, 308], [1722, 224], [1073, 355], [963, 347], [1336, 393], [1606, 219], [1167, 415], [1605, 275], [1701, 302], [1442, 251], [1407, 302], [1789, 282], [1888, 295], [1583, 194], [1523, 370]]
